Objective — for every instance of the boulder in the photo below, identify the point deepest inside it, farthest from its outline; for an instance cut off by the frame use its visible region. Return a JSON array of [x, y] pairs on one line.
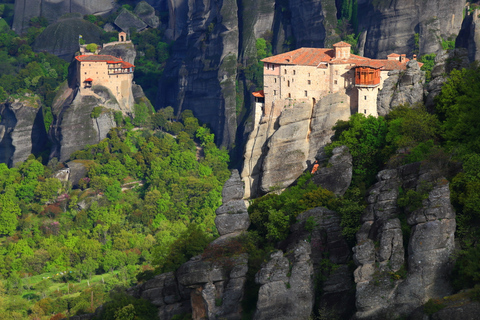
[[147, 13]]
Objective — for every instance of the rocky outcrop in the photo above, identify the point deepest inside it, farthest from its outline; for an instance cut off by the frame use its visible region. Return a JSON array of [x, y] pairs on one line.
[[390, 26], [22, 129], [401, 88], [74, 127], [61, 38], [52, 10], [335, 173], [279, 149], [147, 13], [287, 290], [445, 62], [232, 215], [403, 253], [330, 255]]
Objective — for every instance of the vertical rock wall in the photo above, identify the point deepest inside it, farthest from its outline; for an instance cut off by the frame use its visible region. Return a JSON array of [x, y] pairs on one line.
[[395, 274], [279, 149], [22, 130], [390, 26]]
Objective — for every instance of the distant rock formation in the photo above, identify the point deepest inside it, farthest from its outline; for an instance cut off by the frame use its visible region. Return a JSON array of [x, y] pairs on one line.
[[147, 13], [401, 88], [279, 149], [52, 10], [22, 129], [392, 25], [395, 274], [61, 38]]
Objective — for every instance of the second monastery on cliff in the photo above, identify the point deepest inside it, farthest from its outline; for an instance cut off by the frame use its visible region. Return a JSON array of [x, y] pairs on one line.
[[308, 74]]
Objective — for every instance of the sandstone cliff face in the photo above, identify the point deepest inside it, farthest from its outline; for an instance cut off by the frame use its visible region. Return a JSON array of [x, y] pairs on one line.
[[287, 290], [401, 88], [52, 10], [74, 128], [279, 149], [22, 130], [390, 26], [392, 280]]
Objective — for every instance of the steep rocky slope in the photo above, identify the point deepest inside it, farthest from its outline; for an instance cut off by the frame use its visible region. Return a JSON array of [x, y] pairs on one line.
[[469, 36], [279, 149], [390, 26], [22, 130], [52, 10]]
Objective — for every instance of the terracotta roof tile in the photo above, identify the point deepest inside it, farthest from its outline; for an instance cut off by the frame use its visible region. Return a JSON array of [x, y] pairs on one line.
[[302, 56], [259, 94], [88, 80], [103, 58], [342, 44]]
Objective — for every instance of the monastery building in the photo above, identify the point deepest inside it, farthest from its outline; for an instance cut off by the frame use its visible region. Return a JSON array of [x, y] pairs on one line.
[[107, 71], [308, 74]]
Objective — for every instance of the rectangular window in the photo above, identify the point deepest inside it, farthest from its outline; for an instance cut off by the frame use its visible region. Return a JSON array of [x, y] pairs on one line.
[[306, 93], [309, 82], [365, 111], [273, 67], [285, 71], [275, 80], [289, 95], [274, 92], [335, 81], [365, 97], [293, 72]]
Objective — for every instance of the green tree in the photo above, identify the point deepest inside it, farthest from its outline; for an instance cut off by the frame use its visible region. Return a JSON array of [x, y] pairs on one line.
[[9, 211], [92, 47]]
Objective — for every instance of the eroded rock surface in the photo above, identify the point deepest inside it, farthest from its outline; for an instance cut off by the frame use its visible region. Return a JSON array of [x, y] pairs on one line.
[[393, 280], [330, 255], [390, 26], [52, 10], [232, 215], [279, 149], [287, 290], [22, 129], [336, 175], [401, 88], [469, 36]]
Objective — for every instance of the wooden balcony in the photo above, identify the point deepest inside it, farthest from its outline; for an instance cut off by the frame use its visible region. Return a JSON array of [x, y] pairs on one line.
[[368, 77]]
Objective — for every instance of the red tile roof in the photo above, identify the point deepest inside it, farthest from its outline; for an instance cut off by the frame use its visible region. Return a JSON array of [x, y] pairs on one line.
[[320, 57], [103, 58], [342, 44], [259, 94], [393, 55], [88, 80]]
